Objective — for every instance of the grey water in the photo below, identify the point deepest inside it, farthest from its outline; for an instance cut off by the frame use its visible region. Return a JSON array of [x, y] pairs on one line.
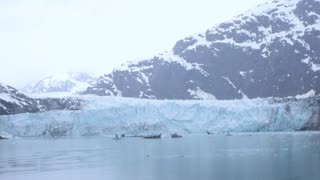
[[256, 156]]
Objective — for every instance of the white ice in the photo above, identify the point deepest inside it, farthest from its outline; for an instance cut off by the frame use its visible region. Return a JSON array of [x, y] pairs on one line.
[[111, 115]]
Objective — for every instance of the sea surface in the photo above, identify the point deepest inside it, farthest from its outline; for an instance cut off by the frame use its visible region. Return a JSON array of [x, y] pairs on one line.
[[243, 156]]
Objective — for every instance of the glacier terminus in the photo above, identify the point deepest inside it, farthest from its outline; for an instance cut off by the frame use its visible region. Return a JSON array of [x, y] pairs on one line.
[[115, 115]]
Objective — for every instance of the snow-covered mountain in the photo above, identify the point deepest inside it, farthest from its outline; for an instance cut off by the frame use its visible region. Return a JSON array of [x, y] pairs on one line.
[[64, 82], [270, 51], [116, 115], [13, 101]]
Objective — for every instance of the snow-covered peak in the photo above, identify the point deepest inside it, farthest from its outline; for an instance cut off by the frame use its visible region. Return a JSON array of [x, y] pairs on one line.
[[268, 5], [64, 82], [269, 51], [275, 20]]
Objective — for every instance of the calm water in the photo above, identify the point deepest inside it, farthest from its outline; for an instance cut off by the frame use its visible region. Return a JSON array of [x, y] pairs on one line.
[[289, 156]]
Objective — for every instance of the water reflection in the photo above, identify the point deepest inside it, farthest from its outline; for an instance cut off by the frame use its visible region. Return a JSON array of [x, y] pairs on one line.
[[261, 156]]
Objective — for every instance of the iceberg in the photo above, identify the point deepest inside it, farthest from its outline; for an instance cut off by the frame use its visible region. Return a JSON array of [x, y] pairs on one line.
[[115, 115], [5, 135]]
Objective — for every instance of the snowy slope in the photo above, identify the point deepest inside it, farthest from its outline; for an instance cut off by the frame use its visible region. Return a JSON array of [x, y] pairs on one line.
[[64, 82], [13, 101], [111, 115], [270, 51]]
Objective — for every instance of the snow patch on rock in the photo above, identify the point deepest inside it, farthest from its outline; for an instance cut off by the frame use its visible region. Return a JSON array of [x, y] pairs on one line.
[[200, 94], [311, 93], [169, 56]]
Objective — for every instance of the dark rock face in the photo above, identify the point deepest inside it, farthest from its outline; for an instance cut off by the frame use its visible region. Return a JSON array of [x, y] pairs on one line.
[[314, 123], [272, 51], [14, 102]]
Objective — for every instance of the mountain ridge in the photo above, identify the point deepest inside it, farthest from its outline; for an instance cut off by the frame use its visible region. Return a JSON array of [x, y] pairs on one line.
[[271, 51], [13, 101], [71, 82]]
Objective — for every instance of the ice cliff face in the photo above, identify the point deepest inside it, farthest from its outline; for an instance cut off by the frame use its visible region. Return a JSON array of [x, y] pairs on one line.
[[64, 82], [271, 51], [108, 116], [13, 101]]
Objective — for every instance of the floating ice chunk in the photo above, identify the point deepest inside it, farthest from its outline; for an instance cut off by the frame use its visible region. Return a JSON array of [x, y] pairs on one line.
[[5, 135]]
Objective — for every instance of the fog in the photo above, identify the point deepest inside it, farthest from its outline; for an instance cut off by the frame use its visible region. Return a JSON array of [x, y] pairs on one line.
[[41, 37]]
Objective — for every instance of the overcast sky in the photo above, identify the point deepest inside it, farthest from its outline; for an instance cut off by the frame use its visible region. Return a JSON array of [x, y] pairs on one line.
[[41, 37]]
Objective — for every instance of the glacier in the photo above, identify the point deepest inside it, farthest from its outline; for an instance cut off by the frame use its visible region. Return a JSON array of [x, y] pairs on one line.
[[116, 115]]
